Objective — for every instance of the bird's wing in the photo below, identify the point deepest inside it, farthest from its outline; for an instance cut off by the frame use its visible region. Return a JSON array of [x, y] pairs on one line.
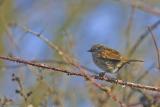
[[111, 54]]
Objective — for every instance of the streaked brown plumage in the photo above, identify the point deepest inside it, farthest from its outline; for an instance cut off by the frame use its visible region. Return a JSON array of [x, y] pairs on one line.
[[109, 60]]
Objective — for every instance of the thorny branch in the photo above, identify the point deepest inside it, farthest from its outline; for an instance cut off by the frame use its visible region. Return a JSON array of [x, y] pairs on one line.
[[120, 82]]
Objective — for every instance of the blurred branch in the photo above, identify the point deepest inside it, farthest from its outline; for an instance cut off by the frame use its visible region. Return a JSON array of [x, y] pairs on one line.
[[21, 90], [5, 17], [142, 37], [129, 27], [42, 37], [5, 102], [156, 46], [143, 6], [10, 36], [120, 82], [140, 78]]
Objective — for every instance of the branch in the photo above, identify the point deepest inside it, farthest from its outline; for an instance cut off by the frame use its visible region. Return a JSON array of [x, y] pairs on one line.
[[142, 6], [129, 84], [156, 46], [55, 69], [52, 45]]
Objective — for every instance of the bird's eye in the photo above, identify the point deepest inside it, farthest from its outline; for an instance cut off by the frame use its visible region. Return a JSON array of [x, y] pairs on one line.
[[99, 48]]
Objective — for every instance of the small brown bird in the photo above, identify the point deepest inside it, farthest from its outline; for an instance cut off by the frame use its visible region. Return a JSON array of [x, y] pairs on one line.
[[109, 60]]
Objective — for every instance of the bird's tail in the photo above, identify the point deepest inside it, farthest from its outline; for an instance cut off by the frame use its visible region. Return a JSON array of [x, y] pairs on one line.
[[134, 60]]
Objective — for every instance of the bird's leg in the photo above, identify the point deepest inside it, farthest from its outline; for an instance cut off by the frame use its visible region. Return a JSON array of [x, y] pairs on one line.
[[121, 65], [104, 75], [101, 74]]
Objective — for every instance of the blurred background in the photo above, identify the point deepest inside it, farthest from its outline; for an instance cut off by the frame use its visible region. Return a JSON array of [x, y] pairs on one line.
[[74, 26]]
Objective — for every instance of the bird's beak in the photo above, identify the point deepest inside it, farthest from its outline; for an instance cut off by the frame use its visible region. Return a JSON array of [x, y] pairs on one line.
[[90, 50]]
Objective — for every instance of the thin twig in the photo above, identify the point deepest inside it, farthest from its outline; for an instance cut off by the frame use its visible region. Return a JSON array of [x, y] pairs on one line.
[[50, 44], [156, 46], [9, 34], [19, 91], [5, 101], [120, 82]]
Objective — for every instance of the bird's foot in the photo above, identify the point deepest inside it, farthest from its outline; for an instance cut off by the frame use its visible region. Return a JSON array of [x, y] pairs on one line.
[[102, 74]]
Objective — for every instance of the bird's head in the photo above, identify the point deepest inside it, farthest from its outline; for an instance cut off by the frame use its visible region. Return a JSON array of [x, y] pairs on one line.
[[97, 48]]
